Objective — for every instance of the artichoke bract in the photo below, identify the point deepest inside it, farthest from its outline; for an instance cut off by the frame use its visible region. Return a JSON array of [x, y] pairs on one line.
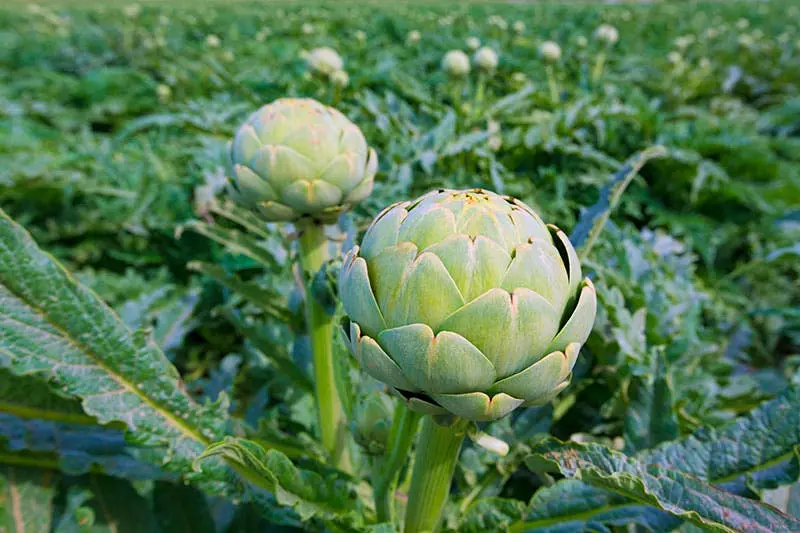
[[296, 158], [466, 303]]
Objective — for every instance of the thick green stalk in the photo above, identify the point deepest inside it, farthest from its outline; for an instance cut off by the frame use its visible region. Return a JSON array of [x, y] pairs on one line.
[[551, 81], [313, 254], [401, 436], [598, 67], [434, 464]]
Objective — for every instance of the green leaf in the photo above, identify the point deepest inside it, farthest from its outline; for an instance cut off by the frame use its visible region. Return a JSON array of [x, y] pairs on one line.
[[678, 493], [234, 240], [650, 418], [491, 514], [56, 329], [594, 219], [25, 498], [117, 507], [308, 493], [759, 450]]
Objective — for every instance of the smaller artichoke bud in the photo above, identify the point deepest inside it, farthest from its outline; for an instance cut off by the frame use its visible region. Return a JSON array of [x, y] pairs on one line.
[[486, 59], [324, 61], [518, 27], [307, 29], [372, 423], [550, 51], [704, 63], [473, 43], [743, 23], [360, 36], [675, 58], [456, 63], [581, 41], [340, 79], [413, 37], [606, 34], [212, 41], [518, 79], [132, 10], [296, 158], [163, 92]]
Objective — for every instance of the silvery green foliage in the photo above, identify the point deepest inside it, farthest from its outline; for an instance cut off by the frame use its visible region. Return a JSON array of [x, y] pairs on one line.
[[296, 158], [466, 302]]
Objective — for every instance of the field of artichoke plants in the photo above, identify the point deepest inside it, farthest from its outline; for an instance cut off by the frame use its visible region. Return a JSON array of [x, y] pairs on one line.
[[392, 267]]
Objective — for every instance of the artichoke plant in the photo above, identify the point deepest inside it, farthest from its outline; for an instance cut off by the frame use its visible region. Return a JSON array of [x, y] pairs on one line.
[[466, 303], [296, 158]]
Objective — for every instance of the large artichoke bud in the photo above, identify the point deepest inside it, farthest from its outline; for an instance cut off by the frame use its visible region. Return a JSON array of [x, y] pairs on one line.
[[297, 158], [466, 303]]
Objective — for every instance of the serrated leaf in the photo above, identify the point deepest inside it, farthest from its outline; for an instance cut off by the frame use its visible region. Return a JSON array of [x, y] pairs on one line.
[[758, 449], [25, 499], [308, 493], [680, 494], [594, 218], [56, 329], [235, 240], [650, 418]]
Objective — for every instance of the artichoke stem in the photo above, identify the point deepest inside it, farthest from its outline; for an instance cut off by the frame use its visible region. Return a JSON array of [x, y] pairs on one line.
[[401, 436], [551, 81], [434, 465], [598, 67], [332, 425]]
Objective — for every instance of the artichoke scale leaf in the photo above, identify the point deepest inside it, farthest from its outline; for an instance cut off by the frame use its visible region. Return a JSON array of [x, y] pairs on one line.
[[310, 197], [511, 330], [478, 406], [537, 266], [428, 294], [424, 227], [280, 165], [386, 272], [252, 187], [571, 260], [357, 296], [384, 231], [380, 366], [246, 144], [579, 325], [446, 363], [538, 380]]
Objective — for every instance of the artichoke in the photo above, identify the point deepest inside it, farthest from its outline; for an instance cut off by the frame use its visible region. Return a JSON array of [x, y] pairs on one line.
[[296, 158], [486, 59], [466, 303], [455, 63]]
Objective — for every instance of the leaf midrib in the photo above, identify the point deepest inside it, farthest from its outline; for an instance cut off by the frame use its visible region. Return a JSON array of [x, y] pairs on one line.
[[165, 413]]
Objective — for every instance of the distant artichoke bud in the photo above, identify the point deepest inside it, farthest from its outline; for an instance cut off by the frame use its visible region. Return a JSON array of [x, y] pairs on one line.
[[132, 10], [372, 423], [742, 23], [324, 61], [550, 51], [675, 58], [340, 79], [456, 63], [466, 303], [307, 29], [212, 41], [296, 158], [581, 41], [704, 63], [413, 37], [486, 59], [473, 43], [606, 34], [518, 27], [518, 79], [163, 92], [360, 36]]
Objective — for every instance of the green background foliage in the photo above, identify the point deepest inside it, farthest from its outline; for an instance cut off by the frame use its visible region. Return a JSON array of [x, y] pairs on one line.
[[166, 318]]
